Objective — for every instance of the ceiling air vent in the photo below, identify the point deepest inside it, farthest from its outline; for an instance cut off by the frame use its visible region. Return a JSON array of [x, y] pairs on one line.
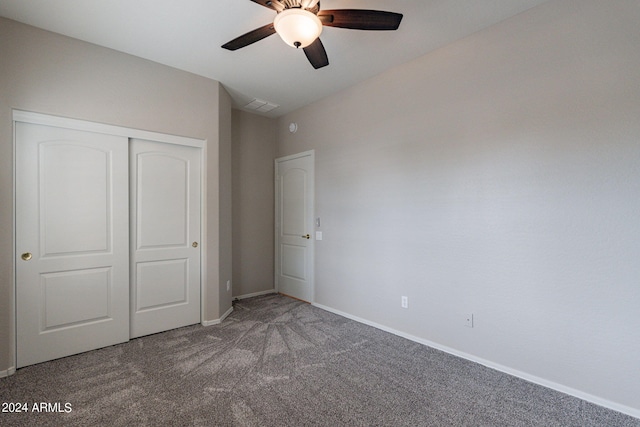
[[260, 106]]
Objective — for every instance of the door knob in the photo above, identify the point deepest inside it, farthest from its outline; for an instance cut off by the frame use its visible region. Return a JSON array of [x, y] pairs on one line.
[[307, 236], [26, 256], [194, 244]]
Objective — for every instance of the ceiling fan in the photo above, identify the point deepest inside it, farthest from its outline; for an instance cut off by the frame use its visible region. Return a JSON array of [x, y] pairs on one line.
[[299, 23]]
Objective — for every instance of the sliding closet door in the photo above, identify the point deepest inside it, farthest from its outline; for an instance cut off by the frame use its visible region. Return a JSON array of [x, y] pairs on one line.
[[165, 236], [72, 242]]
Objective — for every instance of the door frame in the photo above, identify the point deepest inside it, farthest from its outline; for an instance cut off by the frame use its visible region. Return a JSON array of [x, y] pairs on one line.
[[95, 127], [311, 215]]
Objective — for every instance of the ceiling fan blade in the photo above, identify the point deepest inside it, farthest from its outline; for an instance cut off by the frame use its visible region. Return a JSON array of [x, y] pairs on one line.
[[360, 19], [316, 54], [250, 37], [271, 4]]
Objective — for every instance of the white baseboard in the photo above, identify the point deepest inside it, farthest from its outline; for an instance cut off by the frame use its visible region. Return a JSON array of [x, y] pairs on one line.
[[498, 367], [255, 294], [217, 321], [6, 373]]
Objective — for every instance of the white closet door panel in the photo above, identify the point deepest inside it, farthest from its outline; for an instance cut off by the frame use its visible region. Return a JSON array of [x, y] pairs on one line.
[[75, 297], [165, 223], [174, 274], [72, 242], [163, 215]]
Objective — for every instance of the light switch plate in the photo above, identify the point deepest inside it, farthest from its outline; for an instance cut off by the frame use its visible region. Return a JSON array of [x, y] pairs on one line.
[[318, 235]]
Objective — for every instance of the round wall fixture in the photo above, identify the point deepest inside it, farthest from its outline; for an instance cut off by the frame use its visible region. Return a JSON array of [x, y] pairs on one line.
[[293, 127]]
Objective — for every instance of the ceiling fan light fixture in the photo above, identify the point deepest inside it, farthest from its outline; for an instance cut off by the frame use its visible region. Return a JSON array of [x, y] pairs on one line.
[[297, 27]]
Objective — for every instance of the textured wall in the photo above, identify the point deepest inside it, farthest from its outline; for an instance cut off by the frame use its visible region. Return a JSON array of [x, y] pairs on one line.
[[498, 176], [48, 73], [254, 150]]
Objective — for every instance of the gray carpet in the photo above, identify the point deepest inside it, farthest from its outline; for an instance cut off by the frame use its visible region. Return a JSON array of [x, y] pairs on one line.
[[279, 362]]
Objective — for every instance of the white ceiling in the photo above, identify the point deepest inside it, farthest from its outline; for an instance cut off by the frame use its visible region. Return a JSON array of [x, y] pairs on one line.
[[187, 34]]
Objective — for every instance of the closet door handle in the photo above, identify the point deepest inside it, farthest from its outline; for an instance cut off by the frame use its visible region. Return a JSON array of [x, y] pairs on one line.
[[194, 244], [26, 256]]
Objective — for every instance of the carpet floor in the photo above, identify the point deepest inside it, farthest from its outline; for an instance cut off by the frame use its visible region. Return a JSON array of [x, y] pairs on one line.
[[279, 362]]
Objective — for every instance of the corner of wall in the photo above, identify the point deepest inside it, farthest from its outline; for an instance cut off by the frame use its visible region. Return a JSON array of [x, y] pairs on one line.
[[225, 202]]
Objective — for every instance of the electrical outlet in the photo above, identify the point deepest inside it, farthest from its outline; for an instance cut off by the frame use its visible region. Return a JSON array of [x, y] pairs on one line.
[[228, 285], [404, 302], [468, 320]]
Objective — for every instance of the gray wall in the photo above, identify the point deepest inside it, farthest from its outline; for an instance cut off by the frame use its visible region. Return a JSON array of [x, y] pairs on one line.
[[498, 176], [49, 73], [254, 150]]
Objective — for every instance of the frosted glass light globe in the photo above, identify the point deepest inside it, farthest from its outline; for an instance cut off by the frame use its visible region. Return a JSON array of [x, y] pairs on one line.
[[297, 27]]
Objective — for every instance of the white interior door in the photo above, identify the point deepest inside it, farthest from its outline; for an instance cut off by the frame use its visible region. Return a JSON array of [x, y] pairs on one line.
[[294, 225], [165, 236], [72, 240]]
